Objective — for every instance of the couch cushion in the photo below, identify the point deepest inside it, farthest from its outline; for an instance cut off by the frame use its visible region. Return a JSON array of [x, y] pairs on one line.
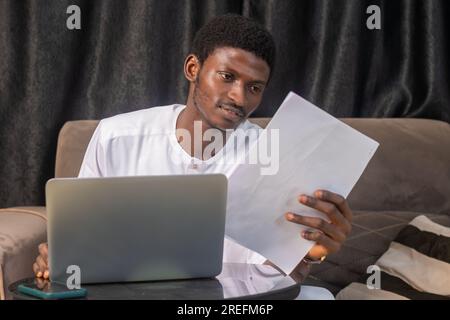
[[22, 229], [73, 140], [410, 170], [371, 236], [415, 266]]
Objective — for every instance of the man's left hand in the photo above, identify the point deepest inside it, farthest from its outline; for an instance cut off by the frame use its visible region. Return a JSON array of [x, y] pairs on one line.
[[329, 236]]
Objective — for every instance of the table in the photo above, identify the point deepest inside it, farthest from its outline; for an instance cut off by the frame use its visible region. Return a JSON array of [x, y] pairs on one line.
[[237, 281]]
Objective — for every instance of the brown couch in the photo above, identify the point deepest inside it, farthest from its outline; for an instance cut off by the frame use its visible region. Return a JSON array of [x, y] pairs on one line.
[[409, 175]]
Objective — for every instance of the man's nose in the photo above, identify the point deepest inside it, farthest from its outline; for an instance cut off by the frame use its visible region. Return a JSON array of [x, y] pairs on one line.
[[237, 94]]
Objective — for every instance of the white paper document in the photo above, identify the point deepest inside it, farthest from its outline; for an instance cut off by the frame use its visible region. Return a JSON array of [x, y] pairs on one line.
[[309, 150]]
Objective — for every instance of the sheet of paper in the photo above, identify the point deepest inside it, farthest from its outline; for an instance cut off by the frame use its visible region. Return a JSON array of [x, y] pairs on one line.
[[315, 151]]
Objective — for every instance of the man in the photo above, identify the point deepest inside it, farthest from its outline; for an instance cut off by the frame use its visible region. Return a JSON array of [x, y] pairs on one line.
[[228, 70]]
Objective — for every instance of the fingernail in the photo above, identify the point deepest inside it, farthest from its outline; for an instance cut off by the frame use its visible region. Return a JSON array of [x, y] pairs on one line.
[[39, 274], [319, 194], [304, 234], [46, 274], [304, 199], [289, 216]]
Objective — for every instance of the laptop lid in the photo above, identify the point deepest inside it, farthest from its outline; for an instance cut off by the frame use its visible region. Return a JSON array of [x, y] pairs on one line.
[[121, 229]]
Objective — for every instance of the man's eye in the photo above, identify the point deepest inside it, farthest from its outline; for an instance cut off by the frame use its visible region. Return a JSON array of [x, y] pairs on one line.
[[255, 89], [226, 76]]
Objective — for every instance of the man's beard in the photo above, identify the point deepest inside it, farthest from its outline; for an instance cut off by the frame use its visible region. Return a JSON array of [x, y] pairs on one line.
[[199, 94]]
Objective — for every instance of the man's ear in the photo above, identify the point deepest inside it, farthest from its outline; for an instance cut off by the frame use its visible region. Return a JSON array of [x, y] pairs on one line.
[[191, 67]]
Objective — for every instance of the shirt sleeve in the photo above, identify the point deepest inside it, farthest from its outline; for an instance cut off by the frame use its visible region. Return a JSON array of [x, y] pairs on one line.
[[236, 253], [93, 164]]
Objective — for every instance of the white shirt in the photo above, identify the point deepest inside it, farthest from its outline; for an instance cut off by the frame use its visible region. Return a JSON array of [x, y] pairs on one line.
[[144, 142]]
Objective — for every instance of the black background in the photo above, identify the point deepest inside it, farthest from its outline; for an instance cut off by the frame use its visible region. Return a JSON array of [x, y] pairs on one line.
[[129, 55]]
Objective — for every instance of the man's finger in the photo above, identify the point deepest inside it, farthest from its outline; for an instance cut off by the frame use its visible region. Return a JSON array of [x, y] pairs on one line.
[[326, 207], [36, 270], [338, 200], [43, 250], [41, 263], [319, 224], [322, 239]]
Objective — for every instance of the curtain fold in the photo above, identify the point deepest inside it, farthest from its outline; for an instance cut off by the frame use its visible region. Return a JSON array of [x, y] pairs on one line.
[[129, 55]]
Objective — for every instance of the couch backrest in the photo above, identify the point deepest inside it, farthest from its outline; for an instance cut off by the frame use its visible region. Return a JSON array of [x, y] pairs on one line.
[[410, 170], [73, 140]]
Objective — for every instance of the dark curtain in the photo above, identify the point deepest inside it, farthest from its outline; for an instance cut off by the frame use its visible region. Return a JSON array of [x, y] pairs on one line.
[[129, 55]]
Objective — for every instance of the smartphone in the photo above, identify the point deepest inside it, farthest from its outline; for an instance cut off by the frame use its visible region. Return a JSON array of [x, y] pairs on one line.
[[45, 289]]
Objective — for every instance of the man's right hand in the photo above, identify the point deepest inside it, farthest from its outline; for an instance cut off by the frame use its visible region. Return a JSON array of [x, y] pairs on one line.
[[40, 266]]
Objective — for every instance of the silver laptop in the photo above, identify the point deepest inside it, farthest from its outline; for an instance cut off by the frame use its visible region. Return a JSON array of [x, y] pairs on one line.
[[142, 228]]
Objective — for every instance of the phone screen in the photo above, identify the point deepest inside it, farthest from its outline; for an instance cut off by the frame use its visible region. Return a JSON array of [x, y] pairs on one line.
[[46, 289]]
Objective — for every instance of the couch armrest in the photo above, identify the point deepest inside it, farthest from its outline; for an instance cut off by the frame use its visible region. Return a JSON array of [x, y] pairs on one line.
[[22, 229]]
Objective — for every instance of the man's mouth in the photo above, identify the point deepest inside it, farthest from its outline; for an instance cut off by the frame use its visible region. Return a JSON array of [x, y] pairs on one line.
[[232, 111]]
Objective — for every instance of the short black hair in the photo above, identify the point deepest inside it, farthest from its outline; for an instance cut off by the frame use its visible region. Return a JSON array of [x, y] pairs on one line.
[[236, 31]]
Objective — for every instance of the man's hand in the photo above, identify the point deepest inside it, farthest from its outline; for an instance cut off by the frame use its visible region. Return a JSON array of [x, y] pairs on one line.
[[40, 266], [329, 236]]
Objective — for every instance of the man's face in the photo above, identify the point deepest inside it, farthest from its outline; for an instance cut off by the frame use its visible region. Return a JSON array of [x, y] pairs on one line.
[[229, 87]]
